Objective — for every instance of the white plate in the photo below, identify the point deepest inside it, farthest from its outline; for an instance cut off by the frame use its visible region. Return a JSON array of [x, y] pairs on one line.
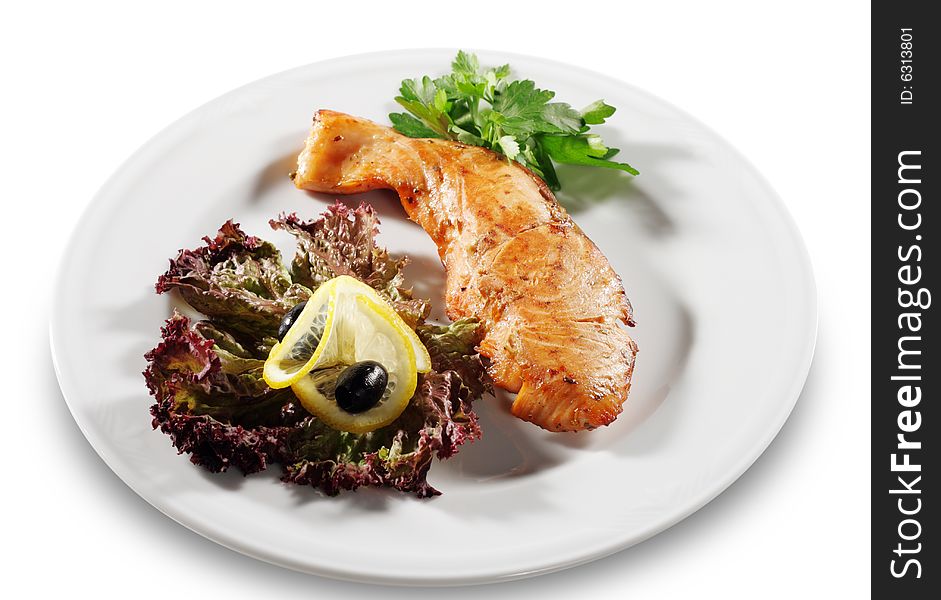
[[719, 278]]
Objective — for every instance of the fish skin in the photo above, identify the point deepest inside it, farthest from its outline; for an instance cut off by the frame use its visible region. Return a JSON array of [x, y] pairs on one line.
[[549, 301]]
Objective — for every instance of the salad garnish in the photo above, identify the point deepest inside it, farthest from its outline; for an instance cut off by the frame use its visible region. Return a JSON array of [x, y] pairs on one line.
[[207, 375], [484, 107]]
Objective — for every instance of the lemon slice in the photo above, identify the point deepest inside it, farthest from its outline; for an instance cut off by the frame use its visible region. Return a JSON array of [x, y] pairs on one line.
[[343, 323], [366, 332], [304, 344], [422, 358], [350, 285]]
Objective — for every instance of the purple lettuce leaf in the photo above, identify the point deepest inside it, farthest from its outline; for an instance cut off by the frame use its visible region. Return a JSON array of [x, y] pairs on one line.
[[216, 445], [343, 242], [452, 349], [236, 280], [194, 375]]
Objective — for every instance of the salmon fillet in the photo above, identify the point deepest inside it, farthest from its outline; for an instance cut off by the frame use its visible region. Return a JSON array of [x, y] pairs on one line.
[[549, 301]]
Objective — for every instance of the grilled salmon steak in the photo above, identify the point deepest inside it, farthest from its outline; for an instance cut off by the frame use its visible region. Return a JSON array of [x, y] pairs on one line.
[[550, 304]]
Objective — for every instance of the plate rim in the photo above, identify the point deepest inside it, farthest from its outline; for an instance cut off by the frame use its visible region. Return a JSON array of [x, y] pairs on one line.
[[617, 543]]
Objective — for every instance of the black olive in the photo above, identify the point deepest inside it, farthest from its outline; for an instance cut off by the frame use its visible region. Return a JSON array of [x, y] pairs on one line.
[[289, 319], [360, 386]]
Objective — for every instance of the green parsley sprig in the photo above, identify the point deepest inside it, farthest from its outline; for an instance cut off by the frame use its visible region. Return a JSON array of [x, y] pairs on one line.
[[483, 107]]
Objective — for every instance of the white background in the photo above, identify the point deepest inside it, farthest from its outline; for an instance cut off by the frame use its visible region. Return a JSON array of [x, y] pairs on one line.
[[788, 84]]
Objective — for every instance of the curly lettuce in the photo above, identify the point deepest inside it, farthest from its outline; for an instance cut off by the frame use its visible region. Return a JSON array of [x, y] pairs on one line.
[[238, 281], [343, 242], [211, 399]]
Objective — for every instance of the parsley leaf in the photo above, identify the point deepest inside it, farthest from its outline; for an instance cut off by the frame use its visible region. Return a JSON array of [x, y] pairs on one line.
[[596, 112], [412, 127], [582, 150], [482, 107], [465, 65]]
